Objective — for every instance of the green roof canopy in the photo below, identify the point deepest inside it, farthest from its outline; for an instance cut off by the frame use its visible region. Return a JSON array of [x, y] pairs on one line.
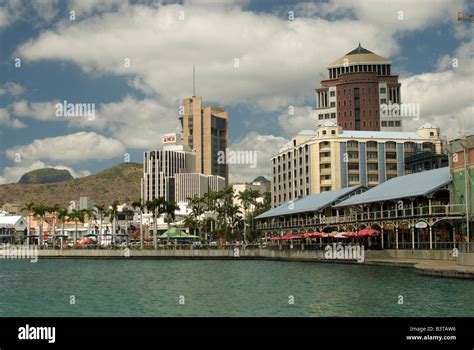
[[175, 233]]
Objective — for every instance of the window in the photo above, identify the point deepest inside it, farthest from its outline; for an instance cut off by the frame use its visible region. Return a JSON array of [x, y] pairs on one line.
[[333, 132], [398, 123], [333, 115], [383, 90], [383, 101], [324, 132], [333, 104], [373, 178], [332, 93]]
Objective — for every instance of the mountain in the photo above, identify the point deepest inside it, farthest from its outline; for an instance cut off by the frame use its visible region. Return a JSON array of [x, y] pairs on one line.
[[261, 179], [45, 176], [267, 183], [121, 182]]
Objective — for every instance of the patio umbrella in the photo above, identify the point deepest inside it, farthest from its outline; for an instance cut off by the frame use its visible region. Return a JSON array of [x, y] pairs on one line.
[[368, 232], [296, 237], [350, 234], [313, 235]]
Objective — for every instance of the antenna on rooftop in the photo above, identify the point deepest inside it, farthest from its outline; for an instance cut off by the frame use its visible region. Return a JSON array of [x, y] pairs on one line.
[[194, 80]]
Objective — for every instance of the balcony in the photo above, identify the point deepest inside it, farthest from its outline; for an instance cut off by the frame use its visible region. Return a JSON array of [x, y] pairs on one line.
[[325, 159], [325, 171]]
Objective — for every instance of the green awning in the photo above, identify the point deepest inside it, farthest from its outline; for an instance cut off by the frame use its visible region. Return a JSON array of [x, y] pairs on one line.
[[176, 233]]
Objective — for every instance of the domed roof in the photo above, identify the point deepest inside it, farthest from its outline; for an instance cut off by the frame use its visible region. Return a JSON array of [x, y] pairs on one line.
[[359, 55], [428, 126]]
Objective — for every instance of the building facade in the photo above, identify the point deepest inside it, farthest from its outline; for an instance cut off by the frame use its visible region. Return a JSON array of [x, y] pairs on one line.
[[170, 173], [331, 158], [358, 84], [205, 130], [461, 156], [160, 167], [423, 161], [254, 186]]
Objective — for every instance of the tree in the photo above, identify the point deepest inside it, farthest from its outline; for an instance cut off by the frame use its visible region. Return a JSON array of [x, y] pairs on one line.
[[138, 205], [248, 198], [197, 206], [40, 211], [54, 210], [232, 214], [28, 207], [156, 208], [169, 209], [128, 214], [191, 223], [113, 211], [76, 216], [63, 215], [102, 212]]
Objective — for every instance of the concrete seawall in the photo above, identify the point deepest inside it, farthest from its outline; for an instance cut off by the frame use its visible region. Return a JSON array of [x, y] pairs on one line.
[[432, 263]]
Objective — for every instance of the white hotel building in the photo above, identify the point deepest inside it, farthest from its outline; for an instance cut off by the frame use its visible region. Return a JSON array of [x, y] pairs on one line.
[[170, 173]]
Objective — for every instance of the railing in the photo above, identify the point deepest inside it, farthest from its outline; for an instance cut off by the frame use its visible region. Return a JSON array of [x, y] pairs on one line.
[[434, 210]]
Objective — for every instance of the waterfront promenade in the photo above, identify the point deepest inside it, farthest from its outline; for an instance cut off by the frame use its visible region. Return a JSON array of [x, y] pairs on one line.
[[435, 263]]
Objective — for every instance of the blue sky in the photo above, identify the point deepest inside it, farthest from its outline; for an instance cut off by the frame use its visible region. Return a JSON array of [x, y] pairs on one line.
[[280, 63]]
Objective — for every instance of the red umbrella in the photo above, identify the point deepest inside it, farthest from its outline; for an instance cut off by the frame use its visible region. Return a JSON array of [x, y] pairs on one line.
[[286, 237], [313, 235], [350, 234], [296, 237], [368, 232]]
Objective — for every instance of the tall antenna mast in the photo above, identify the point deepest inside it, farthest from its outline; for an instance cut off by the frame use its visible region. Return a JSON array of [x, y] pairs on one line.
[[194, 80]]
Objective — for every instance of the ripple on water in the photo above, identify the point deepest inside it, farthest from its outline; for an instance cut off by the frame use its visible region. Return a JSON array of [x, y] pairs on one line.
[[225, 288]]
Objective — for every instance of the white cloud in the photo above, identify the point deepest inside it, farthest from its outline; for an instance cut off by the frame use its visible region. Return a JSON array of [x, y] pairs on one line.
[[46, 10], [4, 17], [14, 173], [6, 120], [70, 148], [303, 118], [35, 110], [138, 124], [11, 88], [446, 97], [86, 7], [265, 146], [278, 61]]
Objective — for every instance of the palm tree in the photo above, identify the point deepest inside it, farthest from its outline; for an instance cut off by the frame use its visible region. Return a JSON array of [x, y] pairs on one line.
[[232, 217], [113, 211], [156, 207], [248, 199], [128, 213], [196, 205], [102, 212], [76, 216], [63, 214], [53, 210], [40, 211], [28, 207], [191, 223], [169, 209], [138, 205], [90, 214]]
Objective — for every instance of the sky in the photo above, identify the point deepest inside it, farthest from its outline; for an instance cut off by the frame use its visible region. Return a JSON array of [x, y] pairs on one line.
[[133, 61]]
